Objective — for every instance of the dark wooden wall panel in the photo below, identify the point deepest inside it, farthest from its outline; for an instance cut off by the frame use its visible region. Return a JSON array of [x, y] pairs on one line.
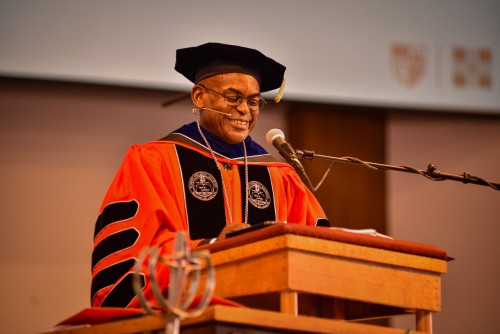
[[353, 196]]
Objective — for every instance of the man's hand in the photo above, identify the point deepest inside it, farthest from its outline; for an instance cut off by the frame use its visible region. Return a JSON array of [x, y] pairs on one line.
[[232, 228]]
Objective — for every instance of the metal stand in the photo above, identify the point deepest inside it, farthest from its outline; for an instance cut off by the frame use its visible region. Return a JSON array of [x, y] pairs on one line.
[[431, 173], [184, 279]]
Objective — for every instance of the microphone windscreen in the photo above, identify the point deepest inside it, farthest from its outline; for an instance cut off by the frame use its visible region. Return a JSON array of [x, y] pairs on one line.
[[272, 134]]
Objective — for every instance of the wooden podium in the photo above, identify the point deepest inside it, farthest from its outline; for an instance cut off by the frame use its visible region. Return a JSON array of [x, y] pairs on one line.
[[330, 273], [301, 279], [220, 319]]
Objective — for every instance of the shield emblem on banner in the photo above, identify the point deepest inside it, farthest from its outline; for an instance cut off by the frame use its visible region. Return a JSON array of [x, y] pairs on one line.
[[408, 63]]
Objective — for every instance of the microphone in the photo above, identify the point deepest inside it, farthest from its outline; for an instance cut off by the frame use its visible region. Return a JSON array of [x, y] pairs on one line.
[[276, 138], [220, 112]]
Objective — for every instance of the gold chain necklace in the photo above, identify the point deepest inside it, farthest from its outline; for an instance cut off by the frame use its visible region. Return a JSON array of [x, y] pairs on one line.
[[224, 191]]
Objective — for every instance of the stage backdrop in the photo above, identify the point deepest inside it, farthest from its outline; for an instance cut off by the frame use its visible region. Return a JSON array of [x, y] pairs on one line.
[[425, 54]]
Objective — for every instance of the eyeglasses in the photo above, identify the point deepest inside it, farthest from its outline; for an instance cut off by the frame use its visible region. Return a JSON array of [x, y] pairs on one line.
[[235, 100]]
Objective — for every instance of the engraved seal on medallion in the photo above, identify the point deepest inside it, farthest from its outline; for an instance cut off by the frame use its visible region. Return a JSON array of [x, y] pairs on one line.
[[203, 186], [258, 195]]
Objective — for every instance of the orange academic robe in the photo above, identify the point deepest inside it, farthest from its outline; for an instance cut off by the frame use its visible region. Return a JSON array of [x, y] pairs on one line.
[[173, 185]]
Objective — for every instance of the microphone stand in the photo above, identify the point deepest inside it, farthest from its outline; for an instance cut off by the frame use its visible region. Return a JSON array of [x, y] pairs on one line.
[[431, 173]]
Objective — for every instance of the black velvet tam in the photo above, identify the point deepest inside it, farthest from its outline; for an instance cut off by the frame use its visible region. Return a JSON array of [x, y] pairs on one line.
[[206, 60]]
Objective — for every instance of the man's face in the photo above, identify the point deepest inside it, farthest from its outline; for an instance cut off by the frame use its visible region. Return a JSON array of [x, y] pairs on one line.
[[233, 128]]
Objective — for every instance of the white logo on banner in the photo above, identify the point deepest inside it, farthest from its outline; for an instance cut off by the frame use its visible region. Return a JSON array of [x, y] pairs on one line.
[[408, 63], [472, 67]]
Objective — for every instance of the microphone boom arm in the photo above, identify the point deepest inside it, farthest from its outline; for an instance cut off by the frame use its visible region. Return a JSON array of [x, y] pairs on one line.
[[431, 173]]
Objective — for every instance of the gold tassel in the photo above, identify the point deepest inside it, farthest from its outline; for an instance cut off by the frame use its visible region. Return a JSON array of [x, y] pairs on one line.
[[278, 96]]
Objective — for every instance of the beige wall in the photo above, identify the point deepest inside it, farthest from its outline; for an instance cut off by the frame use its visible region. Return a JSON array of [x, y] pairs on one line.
[[61, 144], [463, 219]]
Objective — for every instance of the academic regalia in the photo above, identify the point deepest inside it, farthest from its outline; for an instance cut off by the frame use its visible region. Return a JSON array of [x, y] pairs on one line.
[[174, 184]]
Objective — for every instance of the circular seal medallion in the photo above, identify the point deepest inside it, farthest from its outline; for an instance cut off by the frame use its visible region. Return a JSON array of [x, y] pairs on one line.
[[203, 186], [258, 195]]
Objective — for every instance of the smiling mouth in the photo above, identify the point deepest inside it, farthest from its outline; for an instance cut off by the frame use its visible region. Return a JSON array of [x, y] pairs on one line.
[[239, 122]]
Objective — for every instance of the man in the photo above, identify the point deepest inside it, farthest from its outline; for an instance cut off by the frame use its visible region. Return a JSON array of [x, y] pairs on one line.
[[206, 178]]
